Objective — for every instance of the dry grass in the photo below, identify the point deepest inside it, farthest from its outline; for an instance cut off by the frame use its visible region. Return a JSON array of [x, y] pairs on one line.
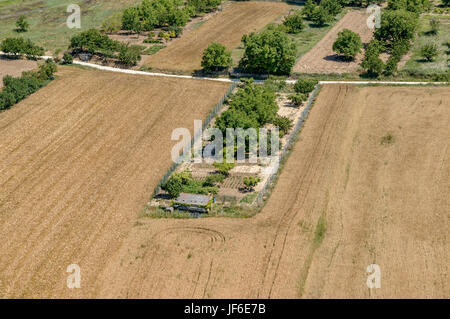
[[78, 161], [342, 202], [228, 27]]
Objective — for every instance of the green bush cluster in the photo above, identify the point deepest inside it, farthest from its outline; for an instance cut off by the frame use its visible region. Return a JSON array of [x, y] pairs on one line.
[[16, 89], [183, 182], [323, 13], [305, 86], [20, 46], [151, 14], [251, 181], [94, 42]]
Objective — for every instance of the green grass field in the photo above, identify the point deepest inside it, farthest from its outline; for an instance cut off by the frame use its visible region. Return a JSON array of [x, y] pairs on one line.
[[441, 63], [47, 18]]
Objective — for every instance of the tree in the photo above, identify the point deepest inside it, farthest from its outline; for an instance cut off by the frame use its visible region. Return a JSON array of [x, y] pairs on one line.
[[131, 20], [348, 44], [372, 62], [297, 98], [294, 23], [22, 24], [321, 16], [270, 51], [429, 51], [216, 57], [18, 46], [173, 186], [308, 9], [332, 6], [283, 123], [397, 25], [67, 58], [446, 2]]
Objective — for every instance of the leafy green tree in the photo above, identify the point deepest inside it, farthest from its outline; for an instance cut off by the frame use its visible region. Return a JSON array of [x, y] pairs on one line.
[[397, 25], [270, 51], [131, 20], [429, 51], [372, 62], [294, 23], [297, 98], [283, 123], [308, 9], [348, 44], [216, 57], [204, 5], [21, 24], [173, 186], [332, 6], [321, 16]]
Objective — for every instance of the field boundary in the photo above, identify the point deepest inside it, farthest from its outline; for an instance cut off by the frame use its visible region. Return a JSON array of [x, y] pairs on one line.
[[206, 122], [289, 143]]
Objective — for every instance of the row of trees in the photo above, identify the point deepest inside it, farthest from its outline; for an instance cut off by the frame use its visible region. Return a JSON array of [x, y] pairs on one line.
[[159, 13], [95, 42], [397, 29], [20, 46], [16, 89]]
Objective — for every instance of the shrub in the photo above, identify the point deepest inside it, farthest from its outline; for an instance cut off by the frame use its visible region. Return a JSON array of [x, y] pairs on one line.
[[22, 24], [173, 186], [348, 44], [297, 98], [113, 23], [224, 168], [93, 41], [20, 46], [212, 180], [429, 51], [372, 64], [216, 57], [294, 23], [67, 58], [434, 24], [251, 181], [283, 123], [400, 48], [304, 86], [46, 70], [129, 55], [391, 65], [201, 6], [176, 30]]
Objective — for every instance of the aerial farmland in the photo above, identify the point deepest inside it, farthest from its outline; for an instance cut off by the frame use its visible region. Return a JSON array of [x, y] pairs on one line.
[[219, 149]]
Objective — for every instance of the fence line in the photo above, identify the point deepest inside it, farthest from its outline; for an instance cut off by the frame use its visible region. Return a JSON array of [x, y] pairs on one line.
[[197, 135], [289, 142]]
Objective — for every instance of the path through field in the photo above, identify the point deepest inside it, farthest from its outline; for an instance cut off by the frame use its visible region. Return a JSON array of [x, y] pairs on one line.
[[78, 161], [348, 196]]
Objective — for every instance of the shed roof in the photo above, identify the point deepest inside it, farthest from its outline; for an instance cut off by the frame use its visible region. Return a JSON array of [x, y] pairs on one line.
[[193, 199]]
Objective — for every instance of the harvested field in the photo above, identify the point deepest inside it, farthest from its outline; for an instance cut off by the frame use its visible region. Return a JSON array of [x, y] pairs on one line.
[[322, 59], [15, 67], [78, 161], [228, 27], [348, 196]]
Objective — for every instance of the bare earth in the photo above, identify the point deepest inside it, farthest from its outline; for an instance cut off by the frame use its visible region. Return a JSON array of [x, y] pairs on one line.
[[78, 161], [386, 204], [322, 59], [228, 27], [15, 67]]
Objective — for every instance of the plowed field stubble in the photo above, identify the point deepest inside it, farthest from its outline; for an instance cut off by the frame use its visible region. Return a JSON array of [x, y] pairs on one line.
[[78, 161], [348, 196]]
